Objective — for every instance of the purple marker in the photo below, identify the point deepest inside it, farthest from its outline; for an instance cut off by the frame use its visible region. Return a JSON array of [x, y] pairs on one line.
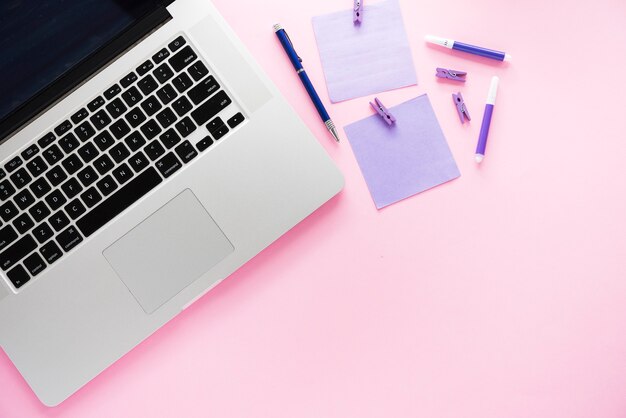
[[484, 128], [472, 49]]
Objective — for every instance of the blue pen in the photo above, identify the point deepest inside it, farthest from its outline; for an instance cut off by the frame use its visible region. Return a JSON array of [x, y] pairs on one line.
[[297, 64]]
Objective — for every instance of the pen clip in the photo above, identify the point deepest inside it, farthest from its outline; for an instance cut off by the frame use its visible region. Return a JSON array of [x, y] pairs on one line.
[[293, 47]]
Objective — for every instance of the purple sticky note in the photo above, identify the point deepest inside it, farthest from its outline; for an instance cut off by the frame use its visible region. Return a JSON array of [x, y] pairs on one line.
[[404, 159], [366, 58]]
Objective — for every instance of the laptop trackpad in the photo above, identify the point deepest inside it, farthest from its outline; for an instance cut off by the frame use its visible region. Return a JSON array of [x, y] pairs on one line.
[[168, 251]]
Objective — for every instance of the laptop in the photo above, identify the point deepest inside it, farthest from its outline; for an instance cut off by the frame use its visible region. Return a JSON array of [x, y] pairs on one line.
[[144, 158]]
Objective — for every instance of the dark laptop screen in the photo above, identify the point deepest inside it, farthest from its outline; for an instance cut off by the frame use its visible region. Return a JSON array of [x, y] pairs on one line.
[[41, 40]]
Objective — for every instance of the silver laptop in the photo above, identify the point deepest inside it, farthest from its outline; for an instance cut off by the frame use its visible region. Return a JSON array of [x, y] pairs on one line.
[[144, 158]]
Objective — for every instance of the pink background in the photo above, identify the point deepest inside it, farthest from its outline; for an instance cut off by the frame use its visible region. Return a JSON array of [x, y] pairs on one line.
[[500, 294]]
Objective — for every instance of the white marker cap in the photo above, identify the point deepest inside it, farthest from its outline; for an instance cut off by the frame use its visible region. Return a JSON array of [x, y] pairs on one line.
[[448, 43], [508, 57], [493, 90]]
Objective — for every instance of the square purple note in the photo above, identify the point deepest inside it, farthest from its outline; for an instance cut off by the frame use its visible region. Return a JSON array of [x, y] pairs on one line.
[[367, 58], [406, 158]]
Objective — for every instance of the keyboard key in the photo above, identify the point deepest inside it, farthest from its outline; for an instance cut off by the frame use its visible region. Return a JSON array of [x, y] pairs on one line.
[[6, 190], [69, 143], [40, 187], [43, 233], [116, 108], [198, 70], [75, 208], [79, 116], [7, 236], [39, 212], [59, 220], [95, 104], [176, 44], [168, 165], [118, 201], [23, 223], [182, 82], [132, 96], [63, 128], [150, 129], [135, 117], [135, 141], [18, 276], [91, 197], [219, 132], [166, 117], [186, 152], [163, 73], [144, 68], [69, 239], [122, 173], [46, 140], [88, 152], [21, 178], [138, 162], [183, 58], [52, 154], [55, 199], [119, 152], [84, 131], [13, 164], [151, 105], [51, 252], [147, 85], [215, 124], [8, 211], [211, 108], [37, 166], [103, 164], [205, 143], [107, 185], [71, 188], [160, 56], [235, 120], [182, 106], [24, 199], [87, 176], [30, 152], [100, 120], [166, 94], [34, 264], [120, 129], [154, 150], [56, 175], [113, 91], [204, 89], [72, 164], [169, 138], [128, 80], [20, 249], [104, 141], [3, 174], [185, 127]]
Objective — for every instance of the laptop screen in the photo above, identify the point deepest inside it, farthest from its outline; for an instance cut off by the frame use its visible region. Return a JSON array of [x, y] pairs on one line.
[[41, 40]]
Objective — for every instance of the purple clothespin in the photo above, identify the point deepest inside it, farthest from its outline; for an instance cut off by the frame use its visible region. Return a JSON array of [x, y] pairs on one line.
[[380, 108], [357, 16], [451, 74], [460, 107]]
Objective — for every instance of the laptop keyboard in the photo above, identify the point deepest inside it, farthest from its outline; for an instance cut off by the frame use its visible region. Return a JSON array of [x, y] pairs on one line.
[[71, 182]]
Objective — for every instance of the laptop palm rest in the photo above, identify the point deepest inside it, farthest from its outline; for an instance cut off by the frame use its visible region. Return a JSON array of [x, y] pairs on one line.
[[168, 251]]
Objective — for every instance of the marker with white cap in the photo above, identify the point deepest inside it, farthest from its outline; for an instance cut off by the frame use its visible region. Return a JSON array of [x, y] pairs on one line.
[[471, 49], [484, 128]]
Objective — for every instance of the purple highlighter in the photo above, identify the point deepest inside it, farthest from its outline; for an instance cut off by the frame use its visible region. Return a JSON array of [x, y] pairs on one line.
[[484, 128], [471, 49]]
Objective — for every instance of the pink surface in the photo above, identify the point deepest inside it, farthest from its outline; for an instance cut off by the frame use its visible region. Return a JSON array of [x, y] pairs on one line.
[[500, 294]]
